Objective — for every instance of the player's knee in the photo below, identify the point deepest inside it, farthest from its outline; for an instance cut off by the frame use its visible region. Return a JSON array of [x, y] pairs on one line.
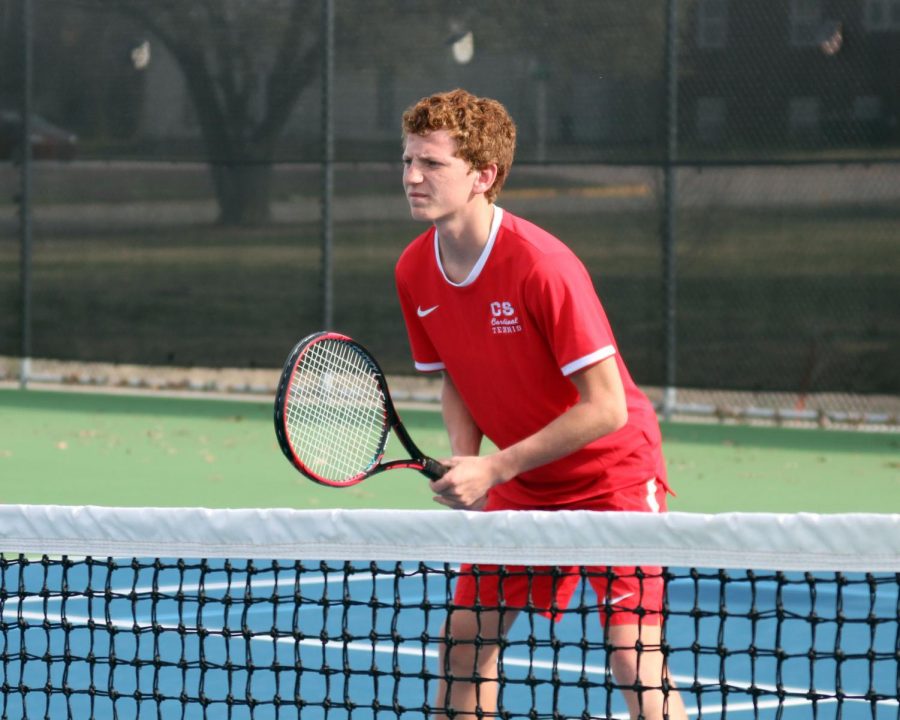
[[624, 665], [466, 655], [470, 659], [632, 661]]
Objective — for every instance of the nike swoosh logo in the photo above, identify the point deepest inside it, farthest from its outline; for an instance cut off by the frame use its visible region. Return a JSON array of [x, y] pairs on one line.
[[422, 313], [620, 598]]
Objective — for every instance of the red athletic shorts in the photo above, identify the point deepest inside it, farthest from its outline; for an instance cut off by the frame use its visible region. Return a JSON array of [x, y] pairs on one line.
[[625, 595]]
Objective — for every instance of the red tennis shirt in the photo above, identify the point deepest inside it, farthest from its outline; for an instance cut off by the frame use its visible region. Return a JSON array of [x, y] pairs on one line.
[[509, 336]]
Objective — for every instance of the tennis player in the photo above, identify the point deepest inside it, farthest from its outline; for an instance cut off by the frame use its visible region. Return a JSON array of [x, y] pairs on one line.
[[509, 316]]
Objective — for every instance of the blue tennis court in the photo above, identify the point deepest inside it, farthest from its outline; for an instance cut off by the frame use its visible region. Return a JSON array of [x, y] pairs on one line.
[[232, 639]]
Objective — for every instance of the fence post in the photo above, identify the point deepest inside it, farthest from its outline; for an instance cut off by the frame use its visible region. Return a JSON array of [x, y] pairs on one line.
[[669, 220], [327, 164], [25, 192]]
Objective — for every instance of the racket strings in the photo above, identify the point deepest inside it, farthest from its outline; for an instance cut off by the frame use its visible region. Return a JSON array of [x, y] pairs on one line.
[[335, 411]]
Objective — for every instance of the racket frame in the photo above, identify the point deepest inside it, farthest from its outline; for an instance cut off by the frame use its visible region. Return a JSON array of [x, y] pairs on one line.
[[417, 460]]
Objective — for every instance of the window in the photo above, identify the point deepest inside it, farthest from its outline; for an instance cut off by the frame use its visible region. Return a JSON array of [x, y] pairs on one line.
[[712, 23], [710, 118], [806, 19], [882, 15], [803, 115]]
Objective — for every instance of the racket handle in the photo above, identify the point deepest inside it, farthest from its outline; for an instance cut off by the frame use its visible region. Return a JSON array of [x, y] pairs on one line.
[[433, 470]]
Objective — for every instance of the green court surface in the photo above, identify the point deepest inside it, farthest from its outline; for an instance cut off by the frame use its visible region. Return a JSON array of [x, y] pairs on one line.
[[78, 448]]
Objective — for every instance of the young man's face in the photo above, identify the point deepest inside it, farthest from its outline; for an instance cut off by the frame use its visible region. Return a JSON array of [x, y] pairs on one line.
[[437, 183]]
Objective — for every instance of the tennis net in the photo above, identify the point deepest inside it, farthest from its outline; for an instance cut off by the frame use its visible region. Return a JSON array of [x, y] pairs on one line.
[[194, 613]]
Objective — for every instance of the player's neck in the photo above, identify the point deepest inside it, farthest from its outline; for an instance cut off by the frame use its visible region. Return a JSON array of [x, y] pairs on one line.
[[462, 239]]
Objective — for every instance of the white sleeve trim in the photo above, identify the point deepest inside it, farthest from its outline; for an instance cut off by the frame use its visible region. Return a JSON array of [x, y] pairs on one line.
[[429, 367], [593, 358]]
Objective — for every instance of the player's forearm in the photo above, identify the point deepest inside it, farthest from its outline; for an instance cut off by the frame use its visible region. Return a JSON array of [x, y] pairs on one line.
[[465, 436]]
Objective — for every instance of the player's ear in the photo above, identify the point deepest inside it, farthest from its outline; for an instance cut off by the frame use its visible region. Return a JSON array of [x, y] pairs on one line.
[[484, 178]]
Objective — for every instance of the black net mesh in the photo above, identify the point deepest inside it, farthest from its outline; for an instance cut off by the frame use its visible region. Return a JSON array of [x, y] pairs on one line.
[[87, 637]]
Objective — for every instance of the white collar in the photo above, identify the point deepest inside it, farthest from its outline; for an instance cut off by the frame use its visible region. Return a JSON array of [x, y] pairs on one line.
[[482, 259]]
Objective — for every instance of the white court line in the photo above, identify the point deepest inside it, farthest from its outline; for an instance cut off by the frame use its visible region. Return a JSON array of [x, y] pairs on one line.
[[258, 583], [579, 667]]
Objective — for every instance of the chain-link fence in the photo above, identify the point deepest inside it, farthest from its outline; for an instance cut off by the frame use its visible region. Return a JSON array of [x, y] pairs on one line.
[[208, 182]]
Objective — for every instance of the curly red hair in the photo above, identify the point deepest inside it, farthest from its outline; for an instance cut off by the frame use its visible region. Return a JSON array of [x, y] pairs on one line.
[[483, 129]]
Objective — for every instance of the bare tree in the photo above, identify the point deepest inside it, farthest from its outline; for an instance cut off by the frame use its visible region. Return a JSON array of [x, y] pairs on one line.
[[245, 63]]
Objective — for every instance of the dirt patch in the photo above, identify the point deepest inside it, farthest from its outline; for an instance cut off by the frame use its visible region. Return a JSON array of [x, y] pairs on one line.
[[816, 410], [186, 380]]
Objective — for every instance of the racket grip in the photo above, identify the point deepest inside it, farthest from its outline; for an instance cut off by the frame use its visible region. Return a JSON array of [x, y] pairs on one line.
[[433, 470]]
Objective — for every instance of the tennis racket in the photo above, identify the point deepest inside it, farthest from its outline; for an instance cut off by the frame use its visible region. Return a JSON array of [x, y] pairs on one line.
[[333, 414]]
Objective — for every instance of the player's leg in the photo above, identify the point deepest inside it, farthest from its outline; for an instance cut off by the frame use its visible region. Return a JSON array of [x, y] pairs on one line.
[[467, 666], [636, 659], [632, 600], [486, 602]]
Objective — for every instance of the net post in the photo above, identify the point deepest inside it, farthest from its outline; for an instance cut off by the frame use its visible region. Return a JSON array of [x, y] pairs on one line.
[[327, 9], [25, 194], [670, 268]]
